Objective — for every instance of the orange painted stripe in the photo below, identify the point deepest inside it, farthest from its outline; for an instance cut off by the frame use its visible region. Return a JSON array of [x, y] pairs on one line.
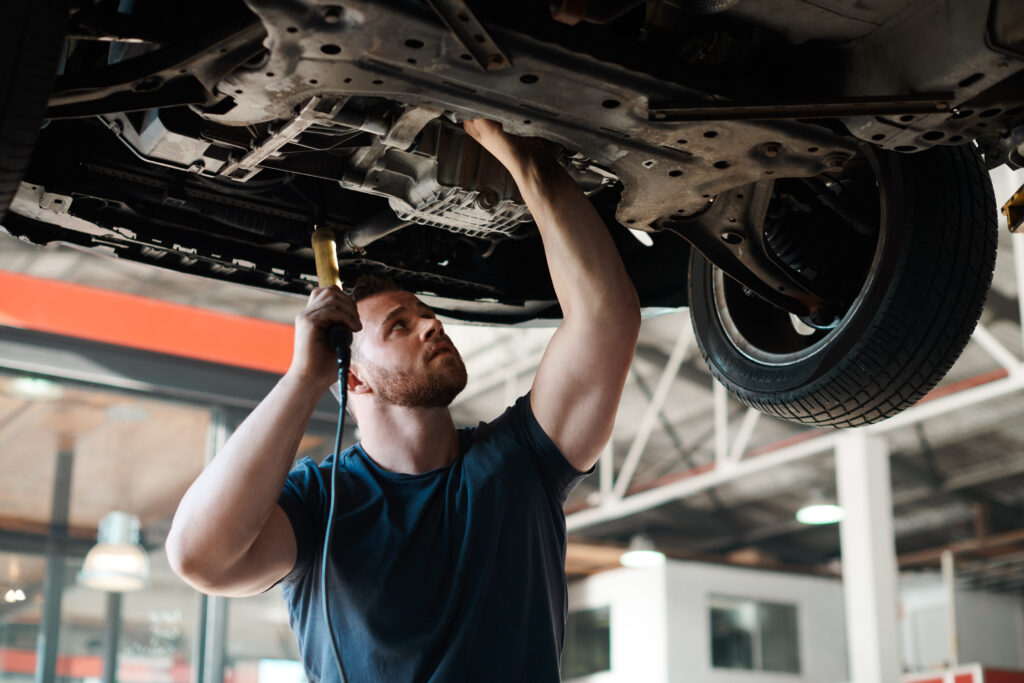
[[17, 661], [68, 666], [1003, 676], [33, 303]]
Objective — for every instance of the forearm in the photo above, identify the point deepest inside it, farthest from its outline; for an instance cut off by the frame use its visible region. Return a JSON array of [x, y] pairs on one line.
[[586, 269], [579, 382], [227, 506]]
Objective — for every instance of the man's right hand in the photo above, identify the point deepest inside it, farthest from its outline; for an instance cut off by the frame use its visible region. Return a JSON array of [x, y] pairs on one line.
[[229, 536], [313, 361]]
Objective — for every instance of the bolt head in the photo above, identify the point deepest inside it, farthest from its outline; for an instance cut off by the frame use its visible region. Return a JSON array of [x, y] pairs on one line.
[[332, 13], [835, 161], [487, 199], [771, 149]]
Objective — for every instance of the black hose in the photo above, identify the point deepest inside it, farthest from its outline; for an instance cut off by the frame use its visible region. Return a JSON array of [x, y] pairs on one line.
[[342, 348]]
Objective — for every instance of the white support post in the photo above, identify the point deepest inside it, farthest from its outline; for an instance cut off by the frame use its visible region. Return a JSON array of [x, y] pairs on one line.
[[606, 471], [650, 417], [511, 393], [1018, 268], [949, 585], [743, 434], [868, 557], [720, 398], [511, 376], [994, 348]]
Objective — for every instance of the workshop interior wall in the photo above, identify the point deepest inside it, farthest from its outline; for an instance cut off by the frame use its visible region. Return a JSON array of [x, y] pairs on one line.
[[820, 621], [637, 608], [990, 626], [660, 623]]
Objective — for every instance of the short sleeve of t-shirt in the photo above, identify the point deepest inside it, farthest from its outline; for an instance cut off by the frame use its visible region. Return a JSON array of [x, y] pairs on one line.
[[302, 499], [557, 474]]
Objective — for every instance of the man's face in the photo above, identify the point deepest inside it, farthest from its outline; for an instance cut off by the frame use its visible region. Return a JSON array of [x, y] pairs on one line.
[[403, 354]]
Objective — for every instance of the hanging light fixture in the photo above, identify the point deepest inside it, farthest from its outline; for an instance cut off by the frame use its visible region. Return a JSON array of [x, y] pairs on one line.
[[819, 510], [641, 553], [117, 563]]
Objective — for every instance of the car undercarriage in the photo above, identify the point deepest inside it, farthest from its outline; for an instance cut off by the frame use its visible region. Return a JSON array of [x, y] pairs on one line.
[[768, 139]]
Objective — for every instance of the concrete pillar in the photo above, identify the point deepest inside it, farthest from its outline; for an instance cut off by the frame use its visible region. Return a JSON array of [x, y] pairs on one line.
[[868, 557]]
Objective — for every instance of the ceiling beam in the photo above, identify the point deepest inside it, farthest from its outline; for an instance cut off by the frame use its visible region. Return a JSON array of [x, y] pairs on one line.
[[965, 478], [997, 544]]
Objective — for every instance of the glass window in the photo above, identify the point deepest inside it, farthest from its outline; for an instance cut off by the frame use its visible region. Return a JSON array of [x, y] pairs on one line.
[[753, 635], [158, 625], [261, 646], [780, 649], [733, 626], [587, 647], [76, 454], [21, 582]]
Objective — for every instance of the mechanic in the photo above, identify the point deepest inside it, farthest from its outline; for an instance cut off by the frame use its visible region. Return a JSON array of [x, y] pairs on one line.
[[449, 545]]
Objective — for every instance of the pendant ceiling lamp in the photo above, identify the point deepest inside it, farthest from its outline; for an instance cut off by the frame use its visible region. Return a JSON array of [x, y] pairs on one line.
[[117, 563]]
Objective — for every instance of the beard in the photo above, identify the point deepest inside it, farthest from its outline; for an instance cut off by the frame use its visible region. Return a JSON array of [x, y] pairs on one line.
[[434, 388]]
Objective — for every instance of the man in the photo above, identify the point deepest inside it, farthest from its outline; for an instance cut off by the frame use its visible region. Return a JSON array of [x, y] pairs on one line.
[[448, 547]]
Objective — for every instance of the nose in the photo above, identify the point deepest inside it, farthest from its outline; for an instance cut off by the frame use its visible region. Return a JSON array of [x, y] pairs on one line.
[[432, 329]]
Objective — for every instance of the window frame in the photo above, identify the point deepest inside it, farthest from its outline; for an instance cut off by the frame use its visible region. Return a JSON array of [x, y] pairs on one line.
[[722, 601]]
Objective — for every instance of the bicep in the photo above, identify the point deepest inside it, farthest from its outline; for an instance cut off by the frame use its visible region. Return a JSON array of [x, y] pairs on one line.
[[578, 385], [269, 559]]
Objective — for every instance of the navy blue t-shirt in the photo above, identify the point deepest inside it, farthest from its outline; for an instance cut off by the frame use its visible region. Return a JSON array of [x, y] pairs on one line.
[[456, 574]]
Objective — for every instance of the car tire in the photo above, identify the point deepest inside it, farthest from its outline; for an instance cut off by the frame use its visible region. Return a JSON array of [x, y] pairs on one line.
[[31, 38], [930, 270]]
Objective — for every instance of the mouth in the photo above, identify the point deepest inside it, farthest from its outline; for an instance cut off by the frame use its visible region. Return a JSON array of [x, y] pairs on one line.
[[442, 349]]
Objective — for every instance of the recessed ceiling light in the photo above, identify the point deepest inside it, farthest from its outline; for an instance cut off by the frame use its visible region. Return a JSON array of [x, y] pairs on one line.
[[819, 513], [34, 389]]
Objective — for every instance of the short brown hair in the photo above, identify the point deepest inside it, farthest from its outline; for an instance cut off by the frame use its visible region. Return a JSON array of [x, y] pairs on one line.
[[370, 285]]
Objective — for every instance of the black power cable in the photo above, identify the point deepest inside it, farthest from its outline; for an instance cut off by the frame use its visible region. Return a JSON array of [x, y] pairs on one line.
[[339, 339]]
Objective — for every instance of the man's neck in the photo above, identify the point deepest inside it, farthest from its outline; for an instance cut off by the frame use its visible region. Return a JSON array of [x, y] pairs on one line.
[[409, 440]]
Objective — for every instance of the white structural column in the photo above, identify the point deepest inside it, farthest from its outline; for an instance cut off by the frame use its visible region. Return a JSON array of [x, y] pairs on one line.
[[868, 557], [949, 586]]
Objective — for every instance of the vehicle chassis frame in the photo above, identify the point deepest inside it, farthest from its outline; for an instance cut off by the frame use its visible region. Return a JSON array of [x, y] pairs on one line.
[[661, 139]]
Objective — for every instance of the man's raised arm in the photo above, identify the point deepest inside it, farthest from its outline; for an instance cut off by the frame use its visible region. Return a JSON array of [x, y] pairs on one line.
[[229, 536], [579, 383]]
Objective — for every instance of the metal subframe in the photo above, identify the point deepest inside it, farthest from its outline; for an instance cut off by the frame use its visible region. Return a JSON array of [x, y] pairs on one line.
[[670, 171]]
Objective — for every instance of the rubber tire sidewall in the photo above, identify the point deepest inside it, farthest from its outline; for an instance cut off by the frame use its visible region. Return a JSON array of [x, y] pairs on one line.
[[840, 384], [31, 39]]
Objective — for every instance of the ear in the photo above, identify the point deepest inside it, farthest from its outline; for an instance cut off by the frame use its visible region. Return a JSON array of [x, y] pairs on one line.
[[356, 385]]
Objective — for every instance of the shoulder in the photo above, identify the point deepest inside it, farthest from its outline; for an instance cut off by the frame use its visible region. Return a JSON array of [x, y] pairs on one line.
[[516, 432], [309, 477]]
